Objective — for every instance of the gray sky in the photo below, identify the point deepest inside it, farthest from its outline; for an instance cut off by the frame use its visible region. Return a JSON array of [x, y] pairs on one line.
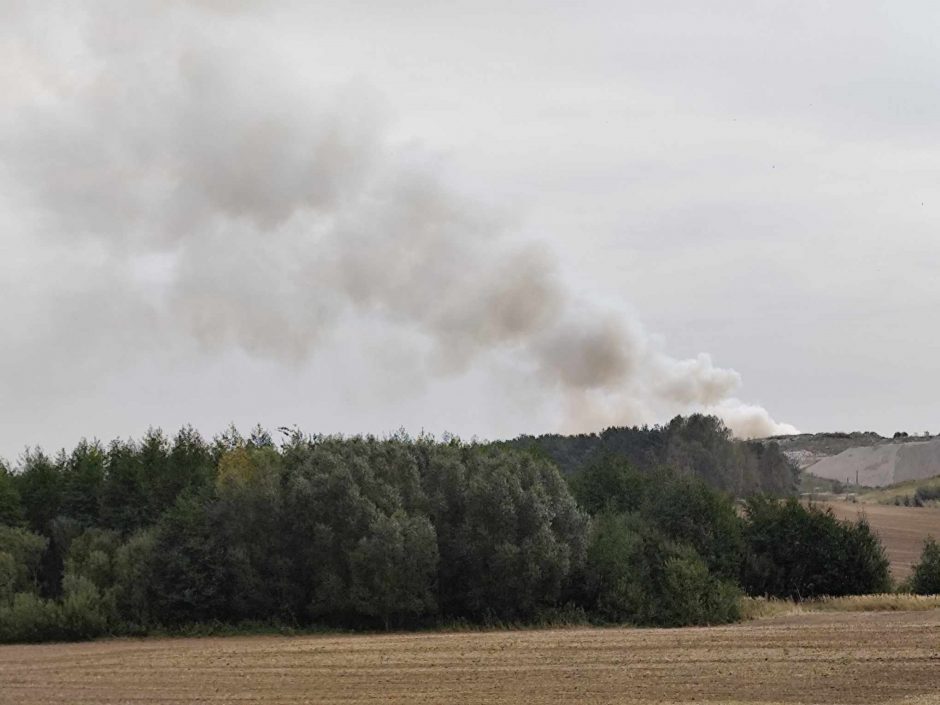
[[482, 217]]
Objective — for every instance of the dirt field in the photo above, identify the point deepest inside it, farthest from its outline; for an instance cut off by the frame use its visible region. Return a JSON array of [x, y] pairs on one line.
[[808, 658], [902, 530]]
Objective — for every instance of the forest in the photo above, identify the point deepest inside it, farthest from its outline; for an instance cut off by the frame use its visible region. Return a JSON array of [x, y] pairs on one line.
[[698, 445], [137, 537]]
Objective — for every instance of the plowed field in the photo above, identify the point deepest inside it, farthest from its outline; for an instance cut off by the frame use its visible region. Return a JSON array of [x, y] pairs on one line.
[[902, 530], [804, 658]]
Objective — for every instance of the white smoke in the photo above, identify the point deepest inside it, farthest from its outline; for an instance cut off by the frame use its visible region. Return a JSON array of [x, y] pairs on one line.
[[276, 208]]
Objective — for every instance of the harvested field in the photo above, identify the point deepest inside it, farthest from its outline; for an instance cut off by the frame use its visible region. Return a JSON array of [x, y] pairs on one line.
[[901, 529], [805, 658]]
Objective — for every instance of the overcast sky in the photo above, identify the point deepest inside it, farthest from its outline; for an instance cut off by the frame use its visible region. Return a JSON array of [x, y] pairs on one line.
[[481, 217]]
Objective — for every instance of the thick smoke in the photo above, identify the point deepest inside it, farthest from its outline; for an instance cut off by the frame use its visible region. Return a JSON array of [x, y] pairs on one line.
[[266, 209]]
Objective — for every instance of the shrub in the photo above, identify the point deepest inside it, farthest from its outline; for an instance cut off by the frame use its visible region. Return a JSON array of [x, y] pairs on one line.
[[801, 552], [692, 595], [926, 494], [614, 578], [683, 508], [926, 577], [86, 613], [29, 618], [636, 575], [23, 550], [133, 567]]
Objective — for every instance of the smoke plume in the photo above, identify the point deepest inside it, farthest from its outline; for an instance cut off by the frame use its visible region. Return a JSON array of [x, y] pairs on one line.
[[262, 210]]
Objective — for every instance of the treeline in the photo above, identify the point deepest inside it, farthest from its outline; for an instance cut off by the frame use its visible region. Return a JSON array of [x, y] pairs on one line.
[[366, 533], [697, 445]]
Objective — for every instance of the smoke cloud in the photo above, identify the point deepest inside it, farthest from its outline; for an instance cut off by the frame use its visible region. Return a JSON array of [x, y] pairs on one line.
[[259, 210]]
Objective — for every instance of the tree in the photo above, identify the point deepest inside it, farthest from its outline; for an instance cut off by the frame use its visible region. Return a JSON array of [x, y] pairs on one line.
[[616, 576], [40, 487], [134, 565], [124, 500], [925, 579], [21, 554], [800, 552], [11, 508], [510, 535], [394, 570], [82, 480]]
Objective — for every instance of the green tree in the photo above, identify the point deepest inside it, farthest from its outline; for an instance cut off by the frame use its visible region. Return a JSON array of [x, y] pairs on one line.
[[394, 570], [40, 487], [616, 576], [82, 481], [134, 566], [925, 579], [124, 501], [689, 594], [510, 535], [21, 554], [11, 508], [800, 552]]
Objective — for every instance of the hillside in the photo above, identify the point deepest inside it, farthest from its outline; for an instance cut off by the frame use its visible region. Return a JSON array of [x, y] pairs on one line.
[[865, 459]]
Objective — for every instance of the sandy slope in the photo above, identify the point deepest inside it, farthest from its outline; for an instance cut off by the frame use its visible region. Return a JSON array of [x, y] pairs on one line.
[[880, 465]]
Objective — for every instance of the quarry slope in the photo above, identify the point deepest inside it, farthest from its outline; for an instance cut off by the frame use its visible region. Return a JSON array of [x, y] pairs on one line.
[[866, 459], [880, 465]]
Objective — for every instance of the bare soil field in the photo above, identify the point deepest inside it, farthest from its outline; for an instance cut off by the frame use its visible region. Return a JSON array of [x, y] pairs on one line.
[[901, 529], [805, 658]]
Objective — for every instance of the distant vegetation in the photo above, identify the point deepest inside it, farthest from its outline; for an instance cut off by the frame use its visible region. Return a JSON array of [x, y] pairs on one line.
[[366, 533], [698, 445], [921, 492]]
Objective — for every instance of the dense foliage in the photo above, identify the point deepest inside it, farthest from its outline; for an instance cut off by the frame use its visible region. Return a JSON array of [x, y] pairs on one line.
[[392, 533], [697, 445], [800, 551], [925, 579]]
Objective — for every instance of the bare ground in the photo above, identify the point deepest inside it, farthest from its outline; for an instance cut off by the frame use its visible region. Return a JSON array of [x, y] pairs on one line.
[[806, 658]]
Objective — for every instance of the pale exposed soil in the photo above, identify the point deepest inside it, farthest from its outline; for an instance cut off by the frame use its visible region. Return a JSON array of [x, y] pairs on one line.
[[880, 465], [902, 530], [806, 658]]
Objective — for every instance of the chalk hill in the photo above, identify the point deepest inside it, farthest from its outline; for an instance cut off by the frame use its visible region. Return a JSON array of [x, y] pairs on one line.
[[872, 460]]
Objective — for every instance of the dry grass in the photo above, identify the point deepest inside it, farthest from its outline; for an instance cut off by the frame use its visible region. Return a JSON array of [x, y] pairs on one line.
[[887, 602], [812, 657], [897, 492], [760, 608]]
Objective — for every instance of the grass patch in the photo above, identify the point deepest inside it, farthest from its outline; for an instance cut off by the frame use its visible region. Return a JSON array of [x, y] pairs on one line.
[[905, 493], [763, 608]]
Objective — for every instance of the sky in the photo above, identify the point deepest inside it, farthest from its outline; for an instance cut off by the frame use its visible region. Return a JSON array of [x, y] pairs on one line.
[[484, 218]]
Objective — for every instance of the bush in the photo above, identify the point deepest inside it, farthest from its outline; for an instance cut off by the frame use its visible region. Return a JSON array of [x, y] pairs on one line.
[[614, 577], [133, 567], [800, 552], [21, 553], [683, 508], [923, 495], [926, 577], [29, 618], [636, 575], [86, 613], [692, 595]]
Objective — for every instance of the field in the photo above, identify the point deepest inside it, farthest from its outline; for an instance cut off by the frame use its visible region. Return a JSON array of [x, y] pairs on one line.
[[877, 657], [902, 529]]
